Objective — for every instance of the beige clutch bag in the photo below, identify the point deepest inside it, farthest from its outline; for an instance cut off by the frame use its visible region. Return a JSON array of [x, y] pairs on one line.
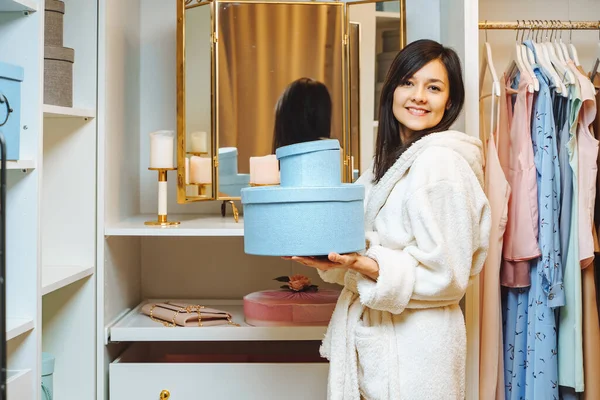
[[173, 313]]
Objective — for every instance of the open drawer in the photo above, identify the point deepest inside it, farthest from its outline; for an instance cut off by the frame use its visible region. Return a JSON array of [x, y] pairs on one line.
[[219, 371]]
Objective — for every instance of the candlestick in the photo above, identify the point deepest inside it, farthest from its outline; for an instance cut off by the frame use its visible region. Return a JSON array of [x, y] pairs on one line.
[[264, 171], [162, 199], [161, 149]]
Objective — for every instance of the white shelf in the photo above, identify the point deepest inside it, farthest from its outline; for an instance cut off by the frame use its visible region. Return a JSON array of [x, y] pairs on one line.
[[20, 164], [17, 326], [56, 277], [191, 225], [138, 327], [67, 112], [18, 5], [387, 16], [19, 384]]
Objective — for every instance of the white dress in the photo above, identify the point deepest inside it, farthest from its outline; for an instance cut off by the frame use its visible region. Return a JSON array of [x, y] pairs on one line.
[[427, 224]]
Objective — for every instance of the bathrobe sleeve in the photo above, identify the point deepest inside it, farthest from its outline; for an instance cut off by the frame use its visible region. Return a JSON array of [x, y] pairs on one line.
[[448, 218]]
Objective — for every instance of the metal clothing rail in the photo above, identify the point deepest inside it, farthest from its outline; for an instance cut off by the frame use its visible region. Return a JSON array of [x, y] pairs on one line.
[[540, 24]]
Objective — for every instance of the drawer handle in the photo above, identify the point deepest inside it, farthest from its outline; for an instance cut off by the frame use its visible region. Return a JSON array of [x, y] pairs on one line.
[[3, 100], [165, 395]]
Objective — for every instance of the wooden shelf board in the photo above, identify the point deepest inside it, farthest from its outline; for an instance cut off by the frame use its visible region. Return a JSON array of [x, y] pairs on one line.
[[56, 277], [138, 327], [191, 225], [51, 111], [17, 326]]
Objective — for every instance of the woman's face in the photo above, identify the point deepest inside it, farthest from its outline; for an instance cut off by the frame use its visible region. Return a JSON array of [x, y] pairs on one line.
[[420, 102]]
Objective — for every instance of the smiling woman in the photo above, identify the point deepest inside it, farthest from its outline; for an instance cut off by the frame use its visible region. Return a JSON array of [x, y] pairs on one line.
[[427, 225]]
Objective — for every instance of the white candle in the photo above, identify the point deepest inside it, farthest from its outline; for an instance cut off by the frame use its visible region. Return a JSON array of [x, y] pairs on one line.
[[199, 142], [187, 171], [161, 149], [200, 170], [264, 170]]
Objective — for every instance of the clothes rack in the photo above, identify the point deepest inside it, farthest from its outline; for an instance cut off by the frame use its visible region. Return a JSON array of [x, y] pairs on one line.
[[540, 24]]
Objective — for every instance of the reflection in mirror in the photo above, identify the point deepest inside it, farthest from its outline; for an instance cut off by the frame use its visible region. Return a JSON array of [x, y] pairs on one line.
[[197, 69], [373, 46], [256, 62]]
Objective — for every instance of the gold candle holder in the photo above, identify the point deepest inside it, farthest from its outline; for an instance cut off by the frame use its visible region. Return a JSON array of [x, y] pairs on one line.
[[162, 199], [201, 188], [197, 153], [236, 213]]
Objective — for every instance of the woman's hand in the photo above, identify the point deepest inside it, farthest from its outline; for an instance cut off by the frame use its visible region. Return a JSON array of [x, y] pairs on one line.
[[354, 261]]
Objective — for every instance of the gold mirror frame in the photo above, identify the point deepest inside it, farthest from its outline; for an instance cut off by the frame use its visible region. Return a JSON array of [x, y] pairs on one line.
[[182, 5]]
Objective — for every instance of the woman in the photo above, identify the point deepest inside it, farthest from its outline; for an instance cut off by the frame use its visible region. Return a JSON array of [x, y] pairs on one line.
[[397, 331], [302, 114]]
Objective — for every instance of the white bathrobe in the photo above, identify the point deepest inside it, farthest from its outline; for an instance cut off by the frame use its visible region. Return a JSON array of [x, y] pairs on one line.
[[427, 225]]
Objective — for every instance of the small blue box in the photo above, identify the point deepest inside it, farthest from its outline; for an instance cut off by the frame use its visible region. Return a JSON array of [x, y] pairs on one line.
[[316, 163], [232, 185], [11, 77], [228, 161]]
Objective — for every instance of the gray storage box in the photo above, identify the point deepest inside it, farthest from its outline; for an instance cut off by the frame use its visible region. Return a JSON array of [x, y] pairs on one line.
[[58, 76], [53, 23]]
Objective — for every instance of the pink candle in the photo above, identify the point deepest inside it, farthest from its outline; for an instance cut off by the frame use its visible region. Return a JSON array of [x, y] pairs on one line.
[[264, 170], [200, 170]]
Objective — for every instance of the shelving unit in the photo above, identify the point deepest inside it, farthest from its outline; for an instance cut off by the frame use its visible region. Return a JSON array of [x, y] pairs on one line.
[[17, 326], [18, 5], [138, 327], [387, 16], [57, 277]]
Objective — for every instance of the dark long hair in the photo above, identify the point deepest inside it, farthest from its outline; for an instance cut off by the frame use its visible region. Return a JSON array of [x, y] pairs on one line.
[[302, 114], [412, 58]]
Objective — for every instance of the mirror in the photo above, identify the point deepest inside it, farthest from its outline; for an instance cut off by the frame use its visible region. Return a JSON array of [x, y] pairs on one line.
[[261, 49], [194, 133], [376, 34], [232, 67]]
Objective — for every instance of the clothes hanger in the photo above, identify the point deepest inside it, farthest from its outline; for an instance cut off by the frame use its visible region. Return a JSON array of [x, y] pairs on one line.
[[543, 60], [516, 63], [557, 48], [488, 64], [562, 70], [596, 68], [572, 48], [528, 60]]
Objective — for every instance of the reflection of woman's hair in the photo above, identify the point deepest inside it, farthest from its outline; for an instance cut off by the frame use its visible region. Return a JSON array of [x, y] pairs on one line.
[[409, 60], [302, 114]]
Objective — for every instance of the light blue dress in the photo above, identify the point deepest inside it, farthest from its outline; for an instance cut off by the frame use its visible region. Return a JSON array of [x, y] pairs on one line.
[[547, 291]]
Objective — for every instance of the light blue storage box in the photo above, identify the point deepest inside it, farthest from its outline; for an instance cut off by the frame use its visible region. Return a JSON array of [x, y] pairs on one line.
[[11, 77], [47, 376], [303, 221], [315, 163], [228, 158], [313, 214], [233, 184]]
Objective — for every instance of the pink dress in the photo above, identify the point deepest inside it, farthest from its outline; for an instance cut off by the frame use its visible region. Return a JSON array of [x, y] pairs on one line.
[[587, 147], [497, 190], [521, 236]]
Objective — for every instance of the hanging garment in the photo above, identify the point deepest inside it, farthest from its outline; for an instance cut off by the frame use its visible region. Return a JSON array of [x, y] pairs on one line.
[[588, 157], [570, 339], [514, 300], [497, 190], [546, 292], [520, 238]]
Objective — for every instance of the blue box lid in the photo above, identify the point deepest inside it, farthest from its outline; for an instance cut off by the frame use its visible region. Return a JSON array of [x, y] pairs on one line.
[[307, 147], [291, 194], [10, 71]]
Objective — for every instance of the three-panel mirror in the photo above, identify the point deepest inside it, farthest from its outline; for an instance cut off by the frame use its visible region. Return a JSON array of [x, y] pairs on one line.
[[234, 61]]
